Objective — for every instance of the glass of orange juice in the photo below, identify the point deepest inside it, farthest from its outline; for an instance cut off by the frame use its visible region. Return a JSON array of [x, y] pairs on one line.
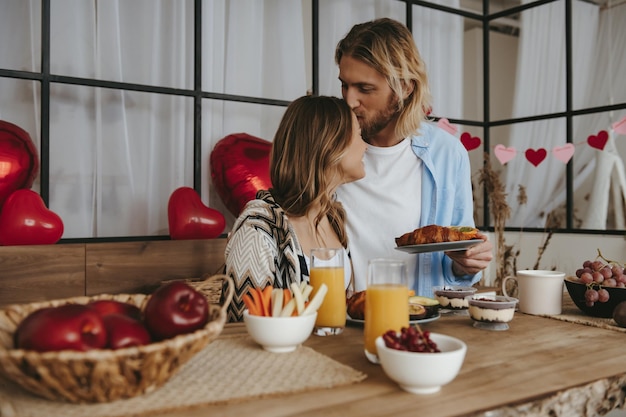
[[386, 302], [327, 268]]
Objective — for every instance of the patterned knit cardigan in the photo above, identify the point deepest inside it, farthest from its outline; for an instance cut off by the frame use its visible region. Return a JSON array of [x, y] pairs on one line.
[[262, 249]]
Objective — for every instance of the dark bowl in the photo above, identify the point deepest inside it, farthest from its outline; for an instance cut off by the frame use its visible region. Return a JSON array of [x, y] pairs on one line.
[[577, 290]]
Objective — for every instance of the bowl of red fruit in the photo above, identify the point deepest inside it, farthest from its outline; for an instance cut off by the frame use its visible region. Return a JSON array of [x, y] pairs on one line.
[[419, 361], [598, 287], [108, 347]]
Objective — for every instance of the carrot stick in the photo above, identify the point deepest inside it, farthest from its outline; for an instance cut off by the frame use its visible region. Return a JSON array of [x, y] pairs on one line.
[[255, 293], [249, 302], [266, 296]]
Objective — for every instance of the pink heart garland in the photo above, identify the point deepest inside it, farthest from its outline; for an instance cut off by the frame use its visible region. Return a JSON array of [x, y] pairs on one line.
[[470, 142], [564, 153], [504, 154], [535, 157], [599, 141], [620, 127], [25, 220], [447, 126]]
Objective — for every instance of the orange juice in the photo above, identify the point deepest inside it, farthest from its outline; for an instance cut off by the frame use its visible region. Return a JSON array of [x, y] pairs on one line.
[[332, 312], [386, 308]]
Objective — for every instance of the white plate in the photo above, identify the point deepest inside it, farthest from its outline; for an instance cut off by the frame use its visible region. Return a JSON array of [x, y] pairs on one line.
[[439, 247], [418, 321]]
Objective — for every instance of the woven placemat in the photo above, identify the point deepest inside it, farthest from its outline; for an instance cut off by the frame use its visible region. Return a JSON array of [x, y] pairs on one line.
[[573, 314], [231, 369]]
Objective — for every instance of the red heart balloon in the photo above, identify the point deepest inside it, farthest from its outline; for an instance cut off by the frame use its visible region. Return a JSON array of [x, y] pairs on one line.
[[240, 166], [189, 218], [470, 142], [25, 220], [535, 157], [19, 163]]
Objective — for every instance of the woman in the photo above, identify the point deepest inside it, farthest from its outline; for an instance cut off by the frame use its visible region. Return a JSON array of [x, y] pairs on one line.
[[317, 147]]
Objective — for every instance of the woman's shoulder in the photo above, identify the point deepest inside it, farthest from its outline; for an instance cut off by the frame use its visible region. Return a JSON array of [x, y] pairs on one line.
[[262, 214]]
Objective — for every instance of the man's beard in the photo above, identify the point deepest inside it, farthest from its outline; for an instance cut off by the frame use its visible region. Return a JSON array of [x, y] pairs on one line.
[[372, 127]]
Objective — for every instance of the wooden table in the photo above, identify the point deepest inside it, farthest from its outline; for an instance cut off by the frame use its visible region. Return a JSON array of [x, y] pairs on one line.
[[539, 367]]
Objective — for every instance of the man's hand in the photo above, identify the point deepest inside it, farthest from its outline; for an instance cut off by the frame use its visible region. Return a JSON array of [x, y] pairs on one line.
[[474, 259]]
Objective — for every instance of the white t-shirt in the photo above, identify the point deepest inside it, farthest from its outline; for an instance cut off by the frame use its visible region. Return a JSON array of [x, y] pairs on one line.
[[380, 208]]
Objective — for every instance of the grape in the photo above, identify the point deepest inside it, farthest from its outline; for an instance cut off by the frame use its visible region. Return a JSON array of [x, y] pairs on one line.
[[597, 265], [598, 276], [606, 272], [586, 278], [610, 282], [603, 295], [410, 339], [591, 295]]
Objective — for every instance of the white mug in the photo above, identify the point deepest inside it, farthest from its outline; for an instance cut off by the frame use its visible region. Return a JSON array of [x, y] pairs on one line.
[[539, 291]]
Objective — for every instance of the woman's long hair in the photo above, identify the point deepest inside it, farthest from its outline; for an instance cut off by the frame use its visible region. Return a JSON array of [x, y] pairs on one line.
[[306, 152], [388, 46]]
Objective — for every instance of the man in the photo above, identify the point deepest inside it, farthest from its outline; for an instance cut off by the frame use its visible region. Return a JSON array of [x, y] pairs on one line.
[[416, 173]]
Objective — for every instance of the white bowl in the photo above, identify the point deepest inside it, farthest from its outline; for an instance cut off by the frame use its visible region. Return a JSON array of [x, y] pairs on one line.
[[279, 334], [423, 373]]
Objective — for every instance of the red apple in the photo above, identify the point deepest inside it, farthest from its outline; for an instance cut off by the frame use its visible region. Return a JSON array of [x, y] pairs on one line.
[[124, 331], [70, 326], [175, 308], [106, 307]]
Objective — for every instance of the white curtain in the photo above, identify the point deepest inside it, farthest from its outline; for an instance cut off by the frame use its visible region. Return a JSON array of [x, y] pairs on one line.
[[116, 156], [608, 184], [540, 89]]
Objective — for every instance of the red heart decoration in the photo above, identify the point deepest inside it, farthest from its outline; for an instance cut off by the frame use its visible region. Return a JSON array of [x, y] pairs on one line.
[[189, 218], [25, 220], [239, 168], [470, 142], [535, 157], [19, 163], [599, 141]]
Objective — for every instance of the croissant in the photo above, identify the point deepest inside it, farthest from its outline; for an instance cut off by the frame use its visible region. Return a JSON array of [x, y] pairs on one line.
[[356, 305], [437, 234]]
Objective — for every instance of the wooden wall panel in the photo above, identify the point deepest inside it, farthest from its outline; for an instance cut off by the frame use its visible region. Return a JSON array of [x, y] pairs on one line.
[[139, 267], [41, 272]]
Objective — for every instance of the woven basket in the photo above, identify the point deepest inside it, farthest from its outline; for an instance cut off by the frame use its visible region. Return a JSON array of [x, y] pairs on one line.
[[103, 375]]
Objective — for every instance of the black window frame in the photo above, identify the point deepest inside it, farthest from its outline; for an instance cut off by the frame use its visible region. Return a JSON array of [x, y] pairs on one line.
[[45, 78]]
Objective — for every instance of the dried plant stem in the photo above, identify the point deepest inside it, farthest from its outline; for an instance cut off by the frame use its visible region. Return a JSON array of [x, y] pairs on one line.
[[552, 222], [500, 211], [542, 249]]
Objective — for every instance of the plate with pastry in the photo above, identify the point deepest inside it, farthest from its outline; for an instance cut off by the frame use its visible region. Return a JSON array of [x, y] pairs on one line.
[[434, 238], [421, 309]]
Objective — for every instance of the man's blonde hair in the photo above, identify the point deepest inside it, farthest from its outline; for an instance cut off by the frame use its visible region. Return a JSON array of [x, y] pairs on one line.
[[388, 46]]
